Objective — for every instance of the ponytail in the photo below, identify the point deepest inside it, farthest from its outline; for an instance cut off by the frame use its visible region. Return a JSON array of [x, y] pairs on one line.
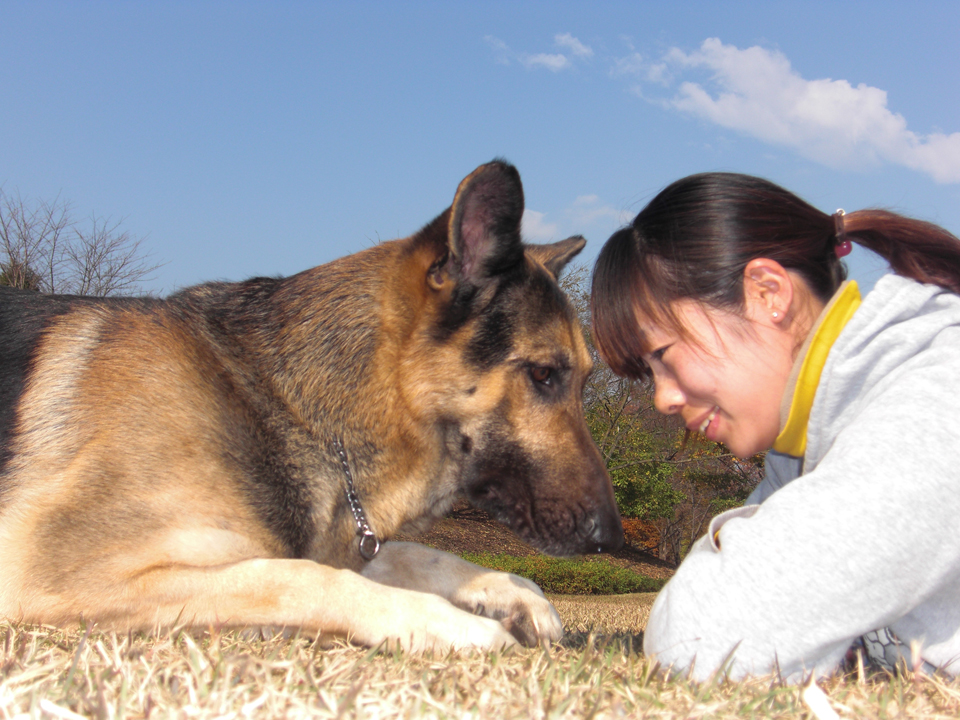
[[915, 249]]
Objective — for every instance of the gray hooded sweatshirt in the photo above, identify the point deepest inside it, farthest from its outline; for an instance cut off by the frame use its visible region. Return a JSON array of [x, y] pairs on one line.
[[861, 534]]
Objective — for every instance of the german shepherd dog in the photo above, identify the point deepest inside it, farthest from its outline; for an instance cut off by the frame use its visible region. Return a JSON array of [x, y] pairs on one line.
[[234, 454]]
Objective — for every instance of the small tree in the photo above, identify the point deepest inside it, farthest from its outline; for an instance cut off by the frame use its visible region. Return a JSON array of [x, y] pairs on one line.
[[17, 275], [43, 248], [711, 480]]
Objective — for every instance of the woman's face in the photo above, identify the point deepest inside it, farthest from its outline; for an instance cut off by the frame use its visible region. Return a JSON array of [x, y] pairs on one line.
[[726, 377]]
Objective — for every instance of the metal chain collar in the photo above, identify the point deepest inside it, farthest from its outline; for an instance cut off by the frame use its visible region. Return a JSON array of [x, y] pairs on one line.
[[368, 544]]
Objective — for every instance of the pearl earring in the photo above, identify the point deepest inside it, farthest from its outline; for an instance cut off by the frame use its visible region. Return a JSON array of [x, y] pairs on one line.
[[775, 314]]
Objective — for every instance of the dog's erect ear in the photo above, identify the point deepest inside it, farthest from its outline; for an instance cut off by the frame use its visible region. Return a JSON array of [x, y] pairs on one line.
[[554, 257], [484, 233]]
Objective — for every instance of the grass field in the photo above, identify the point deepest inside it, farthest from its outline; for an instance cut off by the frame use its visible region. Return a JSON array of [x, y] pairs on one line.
[[47, 673]]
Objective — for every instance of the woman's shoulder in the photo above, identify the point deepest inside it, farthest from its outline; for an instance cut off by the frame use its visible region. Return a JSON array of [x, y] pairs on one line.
[[898, 293], [900, 312], [903, 340]]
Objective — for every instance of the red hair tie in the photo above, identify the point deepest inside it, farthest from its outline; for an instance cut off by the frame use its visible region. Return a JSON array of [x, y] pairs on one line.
[[842, 248]]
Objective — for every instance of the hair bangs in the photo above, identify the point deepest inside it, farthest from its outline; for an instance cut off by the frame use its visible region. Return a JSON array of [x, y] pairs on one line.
[[611, 307], [619, 296]]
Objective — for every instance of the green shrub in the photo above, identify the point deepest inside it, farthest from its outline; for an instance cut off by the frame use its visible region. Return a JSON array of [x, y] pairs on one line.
[[569, 577]]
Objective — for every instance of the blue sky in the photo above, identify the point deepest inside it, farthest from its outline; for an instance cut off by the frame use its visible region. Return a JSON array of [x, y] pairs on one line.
[[264, 138]]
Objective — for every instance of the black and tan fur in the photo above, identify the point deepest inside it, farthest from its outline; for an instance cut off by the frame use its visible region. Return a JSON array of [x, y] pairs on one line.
[[170, 461]]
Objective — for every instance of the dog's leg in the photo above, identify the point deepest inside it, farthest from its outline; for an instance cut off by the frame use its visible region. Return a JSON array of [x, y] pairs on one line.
[[515, 601], [296, 594]]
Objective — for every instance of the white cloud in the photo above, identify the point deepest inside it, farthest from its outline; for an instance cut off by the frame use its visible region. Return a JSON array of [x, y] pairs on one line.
[[757, 92], [636, 66], [554, 62], [550, 62], [588, 209], [568, 41], [632, 64], [588, 215], [500, 49], [533, 227], [659, 73]]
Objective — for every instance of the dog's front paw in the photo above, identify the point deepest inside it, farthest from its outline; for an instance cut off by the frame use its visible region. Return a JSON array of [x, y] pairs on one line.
[[516, 602], [433, 624]]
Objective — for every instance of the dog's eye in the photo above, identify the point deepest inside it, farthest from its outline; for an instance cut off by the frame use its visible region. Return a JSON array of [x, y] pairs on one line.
[[541, 374]]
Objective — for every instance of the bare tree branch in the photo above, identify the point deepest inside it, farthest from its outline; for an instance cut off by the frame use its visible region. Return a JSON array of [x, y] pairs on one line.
[[42, 248]]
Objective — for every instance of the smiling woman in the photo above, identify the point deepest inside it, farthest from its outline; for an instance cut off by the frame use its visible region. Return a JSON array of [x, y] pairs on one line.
[[719, 372], [729, 292]]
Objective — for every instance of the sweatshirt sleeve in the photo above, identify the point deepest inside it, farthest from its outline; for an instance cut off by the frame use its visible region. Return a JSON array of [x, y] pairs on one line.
[[864, 541]]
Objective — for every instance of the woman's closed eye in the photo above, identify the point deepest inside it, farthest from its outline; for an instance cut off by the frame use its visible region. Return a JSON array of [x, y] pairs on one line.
[[658, 353]]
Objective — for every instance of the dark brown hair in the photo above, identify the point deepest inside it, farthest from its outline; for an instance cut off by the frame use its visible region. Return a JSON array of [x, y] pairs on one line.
[[694, 239]]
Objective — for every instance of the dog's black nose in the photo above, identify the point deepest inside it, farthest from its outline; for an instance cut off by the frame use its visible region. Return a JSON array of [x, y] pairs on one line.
[[602, 532]]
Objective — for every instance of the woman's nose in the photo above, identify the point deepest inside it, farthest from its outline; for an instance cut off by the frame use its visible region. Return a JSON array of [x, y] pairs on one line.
[[667, 396]]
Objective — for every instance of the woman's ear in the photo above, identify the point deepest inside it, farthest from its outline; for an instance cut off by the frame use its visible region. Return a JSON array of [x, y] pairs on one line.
[[768, 291]]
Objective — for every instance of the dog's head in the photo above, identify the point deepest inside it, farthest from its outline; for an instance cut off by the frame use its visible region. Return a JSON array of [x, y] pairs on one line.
[[501, 369]]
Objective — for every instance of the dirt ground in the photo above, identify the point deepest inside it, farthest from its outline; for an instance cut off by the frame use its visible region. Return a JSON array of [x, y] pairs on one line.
[[467, 529]]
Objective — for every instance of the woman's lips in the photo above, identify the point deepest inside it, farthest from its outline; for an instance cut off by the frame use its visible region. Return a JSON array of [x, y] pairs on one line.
[[704, 426]]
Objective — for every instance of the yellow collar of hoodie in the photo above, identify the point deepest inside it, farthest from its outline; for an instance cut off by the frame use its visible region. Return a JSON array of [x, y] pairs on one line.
[[798, 401]]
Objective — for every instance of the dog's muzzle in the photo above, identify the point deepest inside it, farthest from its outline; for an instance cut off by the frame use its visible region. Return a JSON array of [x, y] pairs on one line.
[[601, 532]]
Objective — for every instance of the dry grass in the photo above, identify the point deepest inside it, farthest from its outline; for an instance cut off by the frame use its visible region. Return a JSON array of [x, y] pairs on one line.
[[47, 673], [606, 614]]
